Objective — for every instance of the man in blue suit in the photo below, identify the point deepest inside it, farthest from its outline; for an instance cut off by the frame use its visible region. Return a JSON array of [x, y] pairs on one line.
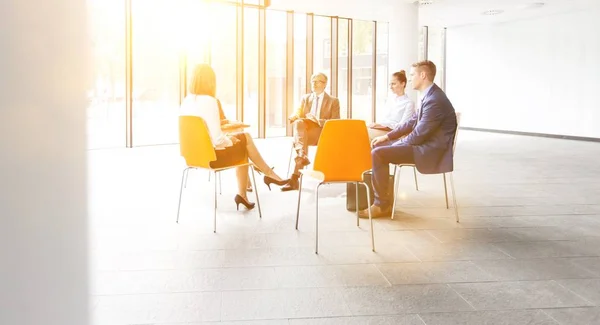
[[425, 140]]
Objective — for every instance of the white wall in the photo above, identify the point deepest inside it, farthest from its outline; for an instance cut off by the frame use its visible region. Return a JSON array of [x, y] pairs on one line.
[[540, 75], [43, 217]]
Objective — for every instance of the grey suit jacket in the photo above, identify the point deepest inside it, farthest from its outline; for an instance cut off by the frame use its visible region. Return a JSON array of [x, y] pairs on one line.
[[330, 108], [431, 133]]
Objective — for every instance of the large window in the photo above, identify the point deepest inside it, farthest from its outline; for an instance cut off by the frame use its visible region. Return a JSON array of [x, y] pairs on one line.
[[106, 105], [223, 56], [251, 70], [435, 51], [276, 73], [156, 61], [322, 47], [299, 58], [168, 39], [343, 66], [382, 69], [362, 67]]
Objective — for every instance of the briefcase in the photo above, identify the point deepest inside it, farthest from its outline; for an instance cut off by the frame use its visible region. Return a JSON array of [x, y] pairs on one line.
[[362, 193]]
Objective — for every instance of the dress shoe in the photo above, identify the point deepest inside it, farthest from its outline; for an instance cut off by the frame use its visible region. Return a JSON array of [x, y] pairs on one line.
[[376, 212], [292, 185], [269, 180], [240, 200]]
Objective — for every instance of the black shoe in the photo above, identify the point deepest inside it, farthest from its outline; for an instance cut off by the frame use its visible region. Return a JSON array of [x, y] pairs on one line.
[[268, 180], [292, 185], [240, 200]]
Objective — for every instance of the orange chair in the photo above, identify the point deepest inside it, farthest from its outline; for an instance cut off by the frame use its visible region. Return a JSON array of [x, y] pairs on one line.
[[399, 166], [343, 155], [197, 149]]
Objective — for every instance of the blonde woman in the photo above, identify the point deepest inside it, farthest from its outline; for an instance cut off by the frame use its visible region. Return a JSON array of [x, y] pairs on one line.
[[231, 148]]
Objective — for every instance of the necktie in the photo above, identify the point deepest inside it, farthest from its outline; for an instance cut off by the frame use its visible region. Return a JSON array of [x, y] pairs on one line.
[[316, 108]]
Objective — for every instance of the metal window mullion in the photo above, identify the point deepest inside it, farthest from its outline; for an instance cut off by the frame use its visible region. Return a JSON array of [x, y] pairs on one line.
[[425, 43], [350, 56], [374, 74], [240, 64], [128, 76], [310, 38], [289, 72], [262, 80], [443, 63], [333, 63]]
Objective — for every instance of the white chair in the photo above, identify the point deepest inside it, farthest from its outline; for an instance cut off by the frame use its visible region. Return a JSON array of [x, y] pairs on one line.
[[399, 166]]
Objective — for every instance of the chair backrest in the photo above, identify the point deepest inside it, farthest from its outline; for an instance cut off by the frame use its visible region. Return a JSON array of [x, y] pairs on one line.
[[344, 150], [194, 142], [456, 132]]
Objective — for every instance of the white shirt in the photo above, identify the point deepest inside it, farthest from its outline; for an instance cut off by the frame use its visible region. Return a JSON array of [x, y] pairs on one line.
[[316, 110], [206, 107], [399, 109]]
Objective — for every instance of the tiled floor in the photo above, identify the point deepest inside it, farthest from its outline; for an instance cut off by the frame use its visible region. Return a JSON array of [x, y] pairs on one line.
[[527, 250]]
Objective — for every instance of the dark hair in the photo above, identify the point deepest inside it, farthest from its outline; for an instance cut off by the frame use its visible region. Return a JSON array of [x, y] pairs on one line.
[[426, 66], [204, 81], [400, 76]]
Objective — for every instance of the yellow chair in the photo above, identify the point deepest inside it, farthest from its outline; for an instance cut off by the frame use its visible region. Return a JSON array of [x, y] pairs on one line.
[[399, 166], [343, 155], [197, 149]]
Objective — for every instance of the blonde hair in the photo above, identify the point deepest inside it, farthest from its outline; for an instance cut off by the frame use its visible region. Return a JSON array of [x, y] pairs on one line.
[[204, 81], [426, 66]]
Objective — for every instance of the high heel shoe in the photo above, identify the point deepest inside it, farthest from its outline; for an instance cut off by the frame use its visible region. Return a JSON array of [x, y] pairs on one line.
[[269, 180], [240, 200]]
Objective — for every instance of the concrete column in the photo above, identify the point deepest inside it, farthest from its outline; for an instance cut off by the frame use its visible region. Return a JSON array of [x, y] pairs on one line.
[[404, 38], [43, 218]]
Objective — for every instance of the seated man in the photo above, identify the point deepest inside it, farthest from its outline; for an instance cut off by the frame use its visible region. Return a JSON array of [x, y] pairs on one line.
[[315, 108], [428, 142], [398, 107]]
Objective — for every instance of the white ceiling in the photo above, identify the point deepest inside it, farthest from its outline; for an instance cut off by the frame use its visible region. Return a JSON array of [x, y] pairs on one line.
[[448, 13]]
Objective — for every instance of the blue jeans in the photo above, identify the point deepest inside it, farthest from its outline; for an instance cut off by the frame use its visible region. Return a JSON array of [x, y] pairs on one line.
[[382, 156]]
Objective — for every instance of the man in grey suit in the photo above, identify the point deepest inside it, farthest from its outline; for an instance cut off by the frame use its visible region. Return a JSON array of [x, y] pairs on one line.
[[308, 120], [428, 140]]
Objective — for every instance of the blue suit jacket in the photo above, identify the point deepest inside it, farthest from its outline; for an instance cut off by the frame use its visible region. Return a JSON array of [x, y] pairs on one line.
[[431, 133]]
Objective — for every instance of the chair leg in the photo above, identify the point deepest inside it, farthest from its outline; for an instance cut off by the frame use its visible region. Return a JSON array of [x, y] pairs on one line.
[[446, 191], [256, 193], [290, 159], [356, 201], [370, 217], [183, 177], [454, 196], [396, 182], [416, 182], [220, 185], [215, 210], [185, 172], [299, 196], [317, 221]]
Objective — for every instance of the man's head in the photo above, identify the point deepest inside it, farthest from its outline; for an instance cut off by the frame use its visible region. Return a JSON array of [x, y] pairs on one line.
[[318, 82], [422, 74]]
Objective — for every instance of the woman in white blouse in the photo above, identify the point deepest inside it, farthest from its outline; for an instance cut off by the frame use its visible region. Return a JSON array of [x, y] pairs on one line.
[[398, 107], [231, 148]]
